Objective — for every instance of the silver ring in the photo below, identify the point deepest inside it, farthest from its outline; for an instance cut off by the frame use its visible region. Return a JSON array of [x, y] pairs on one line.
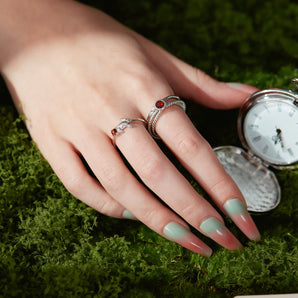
[[159, 106], [125, 122]]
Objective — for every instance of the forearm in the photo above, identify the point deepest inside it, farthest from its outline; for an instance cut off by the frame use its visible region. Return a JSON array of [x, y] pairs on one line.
[[17, 19], [25, 25]]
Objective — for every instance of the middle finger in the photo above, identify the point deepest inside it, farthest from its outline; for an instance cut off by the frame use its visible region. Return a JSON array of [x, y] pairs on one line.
[[162, 177]]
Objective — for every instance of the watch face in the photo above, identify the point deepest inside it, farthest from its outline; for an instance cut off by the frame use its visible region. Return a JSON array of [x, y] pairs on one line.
[[270, 129]]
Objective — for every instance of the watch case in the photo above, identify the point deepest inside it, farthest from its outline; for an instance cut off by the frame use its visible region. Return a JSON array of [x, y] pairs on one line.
[[255, 180]]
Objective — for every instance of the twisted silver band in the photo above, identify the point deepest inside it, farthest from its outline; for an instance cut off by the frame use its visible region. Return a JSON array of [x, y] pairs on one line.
[[125, 122], [159, 106]]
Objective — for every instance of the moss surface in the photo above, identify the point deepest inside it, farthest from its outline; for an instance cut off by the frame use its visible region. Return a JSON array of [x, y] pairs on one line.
[[53, 245]]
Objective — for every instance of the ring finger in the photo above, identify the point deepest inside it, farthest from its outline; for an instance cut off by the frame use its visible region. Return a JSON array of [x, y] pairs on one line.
[[127, 191]]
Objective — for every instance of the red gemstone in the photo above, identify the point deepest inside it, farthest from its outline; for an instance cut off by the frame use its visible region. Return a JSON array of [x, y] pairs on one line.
[[159, 104], [114, 131]]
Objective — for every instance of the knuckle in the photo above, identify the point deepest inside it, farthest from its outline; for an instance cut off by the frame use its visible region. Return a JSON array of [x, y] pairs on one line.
[[151, 168], [193, 213], [154, 218], [225, 187], [149, 215], [112, 179], [108, 207], [143, 82], [188, 211], [219, 185], [187, 145], [190, 146], [72, 182], [142, 78]]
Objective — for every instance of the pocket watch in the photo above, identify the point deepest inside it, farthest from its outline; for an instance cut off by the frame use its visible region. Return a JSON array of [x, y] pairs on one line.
[[268, 130]]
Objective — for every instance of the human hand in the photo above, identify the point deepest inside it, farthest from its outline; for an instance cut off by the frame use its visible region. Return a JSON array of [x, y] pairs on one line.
[[75, 74]]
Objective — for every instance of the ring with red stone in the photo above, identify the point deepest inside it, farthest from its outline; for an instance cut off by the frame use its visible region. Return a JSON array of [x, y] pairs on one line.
[[159, 106], [125, 122]]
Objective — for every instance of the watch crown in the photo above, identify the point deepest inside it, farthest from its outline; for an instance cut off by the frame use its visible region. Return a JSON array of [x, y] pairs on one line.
[[294, 81]]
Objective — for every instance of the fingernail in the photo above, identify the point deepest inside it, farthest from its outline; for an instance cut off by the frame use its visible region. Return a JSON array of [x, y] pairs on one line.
[[243, 87], [239, 214], [184, 237], [217, 231], [127, 214]]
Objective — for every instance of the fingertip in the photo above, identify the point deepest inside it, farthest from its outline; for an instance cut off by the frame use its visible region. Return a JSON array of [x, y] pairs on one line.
[[181, 235], [239, 214], [217, 231], [229, 95], [221, 95], [243, 87], [128, 215]]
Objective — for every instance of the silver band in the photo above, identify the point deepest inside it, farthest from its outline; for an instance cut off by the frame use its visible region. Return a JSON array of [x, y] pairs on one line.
[[157, 109], [125, 122]]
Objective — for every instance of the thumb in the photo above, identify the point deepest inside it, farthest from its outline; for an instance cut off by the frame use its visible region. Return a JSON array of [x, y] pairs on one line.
[[192, 83]]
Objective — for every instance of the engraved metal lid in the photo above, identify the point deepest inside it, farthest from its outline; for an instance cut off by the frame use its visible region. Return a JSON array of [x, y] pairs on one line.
[[249, 170], [257, 183]]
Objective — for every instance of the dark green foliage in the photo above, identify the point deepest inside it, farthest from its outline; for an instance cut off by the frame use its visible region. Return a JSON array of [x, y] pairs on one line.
[[53, 245], [216, 35]]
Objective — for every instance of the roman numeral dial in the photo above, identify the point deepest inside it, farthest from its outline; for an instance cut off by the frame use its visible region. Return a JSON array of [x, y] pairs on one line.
[[270, 129]]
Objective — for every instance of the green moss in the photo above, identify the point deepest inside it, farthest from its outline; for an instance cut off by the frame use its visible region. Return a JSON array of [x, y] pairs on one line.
[[53, 245]]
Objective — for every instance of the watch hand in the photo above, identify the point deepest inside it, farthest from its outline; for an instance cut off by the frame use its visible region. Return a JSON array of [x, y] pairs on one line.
[[275, 138], [279, 136]]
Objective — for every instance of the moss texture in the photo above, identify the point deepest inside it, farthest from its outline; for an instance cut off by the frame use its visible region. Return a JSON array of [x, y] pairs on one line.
[[53, 245]]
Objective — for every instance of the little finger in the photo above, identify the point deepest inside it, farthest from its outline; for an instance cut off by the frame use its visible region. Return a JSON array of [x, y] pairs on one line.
[[68, 166]]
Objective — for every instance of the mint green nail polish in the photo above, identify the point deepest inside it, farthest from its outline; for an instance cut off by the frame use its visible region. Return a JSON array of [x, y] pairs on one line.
[[234, 207], [234, 85], [127, 214], [211, 225], [175, 231], [242, 87]]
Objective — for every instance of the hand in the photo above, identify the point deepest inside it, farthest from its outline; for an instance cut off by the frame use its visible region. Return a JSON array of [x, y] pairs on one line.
[[74, 72]]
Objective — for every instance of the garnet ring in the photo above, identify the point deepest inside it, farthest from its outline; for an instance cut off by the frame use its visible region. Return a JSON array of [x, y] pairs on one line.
[[157, 109], [125, 122]]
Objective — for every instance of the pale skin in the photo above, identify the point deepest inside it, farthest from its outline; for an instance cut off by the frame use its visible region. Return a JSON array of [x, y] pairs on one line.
[[74, 72]]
